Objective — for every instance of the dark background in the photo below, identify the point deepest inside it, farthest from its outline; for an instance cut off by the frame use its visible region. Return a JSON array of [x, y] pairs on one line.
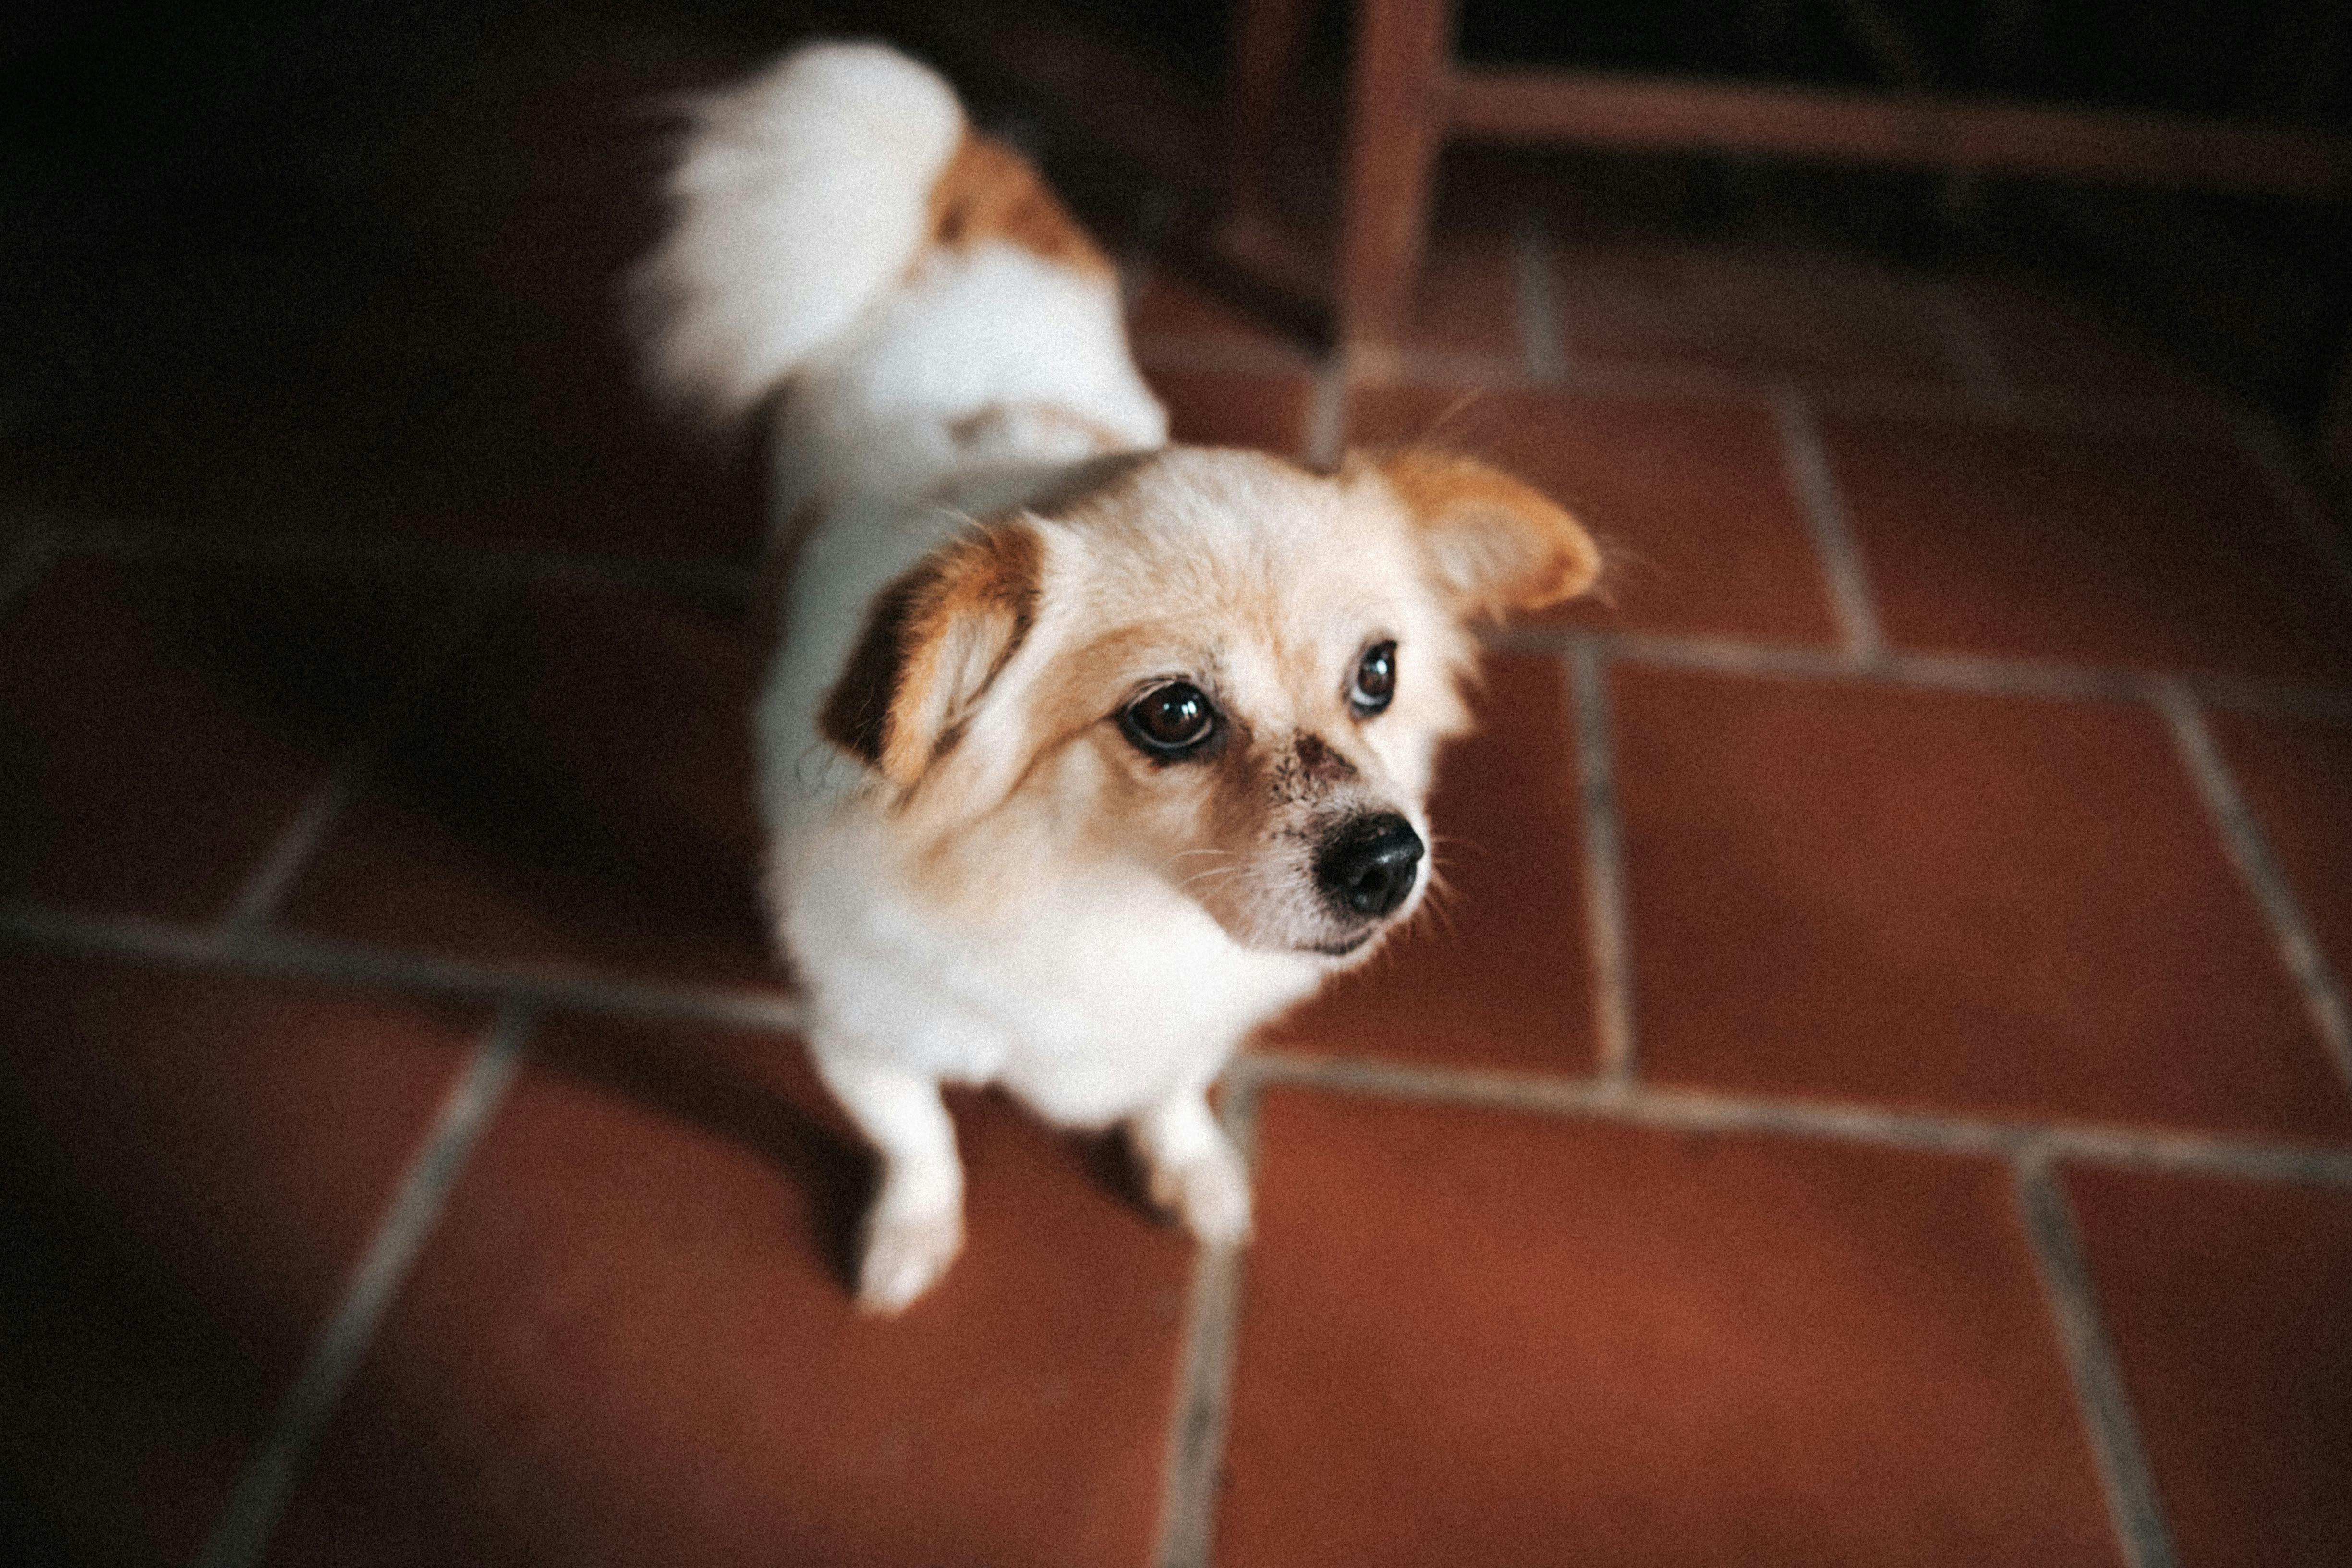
[[270, 257]]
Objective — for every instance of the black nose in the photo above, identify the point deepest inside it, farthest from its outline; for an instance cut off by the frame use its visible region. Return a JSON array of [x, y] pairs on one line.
[[1366, 867]]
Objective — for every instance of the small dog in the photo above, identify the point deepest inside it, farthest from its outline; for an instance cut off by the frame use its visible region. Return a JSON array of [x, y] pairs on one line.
[[1083, 755]]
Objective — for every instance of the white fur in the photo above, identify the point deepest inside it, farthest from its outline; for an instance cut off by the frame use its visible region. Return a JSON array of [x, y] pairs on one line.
[[925, 390], [803, 194]]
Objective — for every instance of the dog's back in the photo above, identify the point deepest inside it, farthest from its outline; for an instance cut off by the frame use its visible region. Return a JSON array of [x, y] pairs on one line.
[[838, 232]]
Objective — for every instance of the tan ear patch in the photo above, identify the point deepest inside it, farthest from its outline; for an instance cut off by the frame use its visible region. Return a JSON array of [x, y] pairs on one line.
[[934, 642], [1496, 544], [989, 192]]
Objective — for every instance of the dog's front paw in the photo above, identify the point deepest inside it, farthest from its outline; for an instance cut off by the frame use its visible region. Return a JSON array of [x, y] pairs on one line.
[[903, 1255], [1209, 1192]]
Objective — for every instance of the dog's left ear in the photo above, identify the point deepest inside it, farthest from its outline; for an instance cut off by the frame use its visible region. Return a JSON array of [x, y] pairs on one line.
[[1494, 544], [933, 643]]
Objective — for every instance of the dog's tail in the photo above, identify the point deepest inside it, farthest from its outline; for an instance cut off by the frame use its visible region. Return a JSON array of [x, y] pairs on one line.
[[803, 195]]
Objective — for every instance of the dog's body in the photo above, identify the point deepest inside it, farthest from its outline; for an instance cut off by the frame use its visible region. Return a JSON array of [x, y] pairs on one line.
[[1081, 755]]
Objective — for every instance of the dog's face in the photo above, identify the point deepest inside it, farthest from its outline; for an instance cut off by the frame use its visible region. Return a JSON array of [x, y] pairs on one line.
[[1211, 665]]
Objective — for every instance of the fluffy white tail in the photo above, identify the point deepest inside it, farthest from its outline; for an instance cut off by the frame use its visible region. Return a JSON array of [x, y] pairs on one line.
[[803, 196]]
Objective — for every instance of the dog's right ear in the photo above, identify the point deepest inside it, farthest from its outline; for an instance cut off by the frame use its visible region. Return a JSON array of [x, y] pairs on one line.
[[933, 643]]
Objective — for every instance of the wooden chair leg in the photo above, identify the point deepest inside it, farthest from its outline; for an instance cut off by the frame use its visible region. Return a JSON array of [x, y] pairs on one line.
[[1403, 61]]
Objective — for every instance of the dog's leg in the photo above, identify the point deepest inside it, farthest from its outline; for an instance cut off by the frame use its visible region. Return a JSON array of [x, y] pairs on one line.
[[1194, 1171], [915, 1226]]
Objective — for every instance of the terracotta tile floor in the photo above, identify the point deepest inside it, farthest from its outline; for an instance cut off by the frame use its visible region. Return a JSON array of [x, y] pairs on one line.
[[1875, 1089]]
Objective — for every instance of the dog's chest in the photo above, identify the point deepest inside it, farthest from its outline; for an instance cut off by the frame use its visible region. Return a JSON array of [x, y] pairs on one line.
[[1109, 1006], [1088, 1002]]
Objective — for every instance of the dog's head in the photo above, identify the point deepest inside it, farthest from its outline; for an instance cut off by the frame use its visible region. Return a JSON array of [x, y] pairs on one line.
[[1212, 665]]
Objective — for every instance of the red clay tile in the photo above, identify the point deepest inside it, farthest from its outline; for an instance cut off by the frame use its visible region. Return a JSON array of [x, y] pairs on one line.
[[1467, 296], [630, 1341], [1495, 971], [2230, 1306], [1476, 1337], [192, 1164], [1747, 317], [1690, 501], [1235, 408], [2297, 779], [2153, 551], [159, 725], [580, 795], [1978, 903]]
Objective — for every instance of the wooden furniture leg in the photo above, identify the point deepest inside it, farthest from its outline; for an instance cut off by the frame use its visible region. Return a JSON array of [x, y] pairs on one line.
[[1403, 68]]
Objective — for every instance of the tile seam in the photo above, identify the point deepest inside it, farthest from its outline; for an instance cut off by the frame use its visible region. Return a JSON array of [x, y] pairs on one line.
[[2141, 1148], [1543, 347], [1200, 1414], [273, 879], [1607, 931], [1692, 1110], [2248, 847], [278, 955], [1705, 1112], [1155, 214], [2133, 1509], [242, 1531], [1999, 675], [2023, 675], [1325, 436], [1970, 350], [2260, 440], [1645, 381], [1845, 576]]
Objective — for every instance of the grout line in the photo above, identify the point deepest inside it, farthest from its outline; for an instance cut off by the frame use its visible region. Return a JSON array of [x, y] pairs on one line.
[[267, 886], [1701, 1110], [1155, 214], [242, 1531], [1543, 351], [1992, 674], [1972, 352], [1644, 382], [1607, 928], [281, 955], [1845, 575], [1679, 1110], [1995, 673], [1196, 1434], [1326, 437], [2132, 1503], [2259, 439], [2250, 851]]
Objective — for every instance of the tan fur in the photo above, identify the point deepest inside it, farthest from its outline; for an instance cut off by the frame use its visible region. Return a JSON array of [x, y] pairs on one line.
[[932, 643], [990, 192], [1498, 543], [992, 860], [1270, 628]]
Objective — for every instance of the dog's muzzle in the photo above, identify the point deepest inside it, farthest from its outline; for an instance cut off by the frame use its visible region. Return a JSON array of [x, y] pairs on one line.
[[1366, 867]]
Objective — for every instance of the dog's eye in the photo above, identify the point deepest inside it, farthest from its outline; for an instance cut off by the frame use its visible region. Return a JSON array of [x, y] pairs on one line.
[[1375, 681], [1174, 719]]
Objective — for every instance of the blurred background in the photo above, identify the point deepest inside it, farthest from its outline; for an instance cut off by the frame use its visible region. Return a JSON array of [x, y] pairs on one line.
[[230, 226], [1880, 1090]]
